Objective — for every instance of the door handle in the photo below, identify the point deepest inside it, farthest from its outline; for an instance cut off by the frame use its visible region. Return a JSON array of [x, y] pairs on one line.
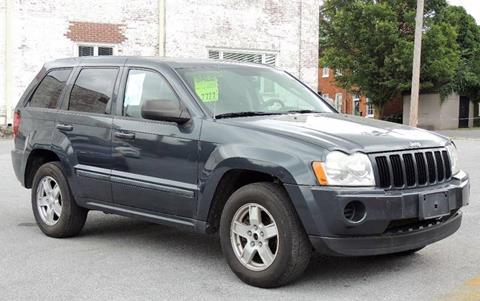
[[65, 127], [123, 135]]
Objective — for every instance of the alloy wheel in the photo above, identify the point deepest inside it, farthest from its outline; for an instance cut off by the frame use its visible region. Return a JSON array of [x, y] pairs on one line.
[[254, 237]]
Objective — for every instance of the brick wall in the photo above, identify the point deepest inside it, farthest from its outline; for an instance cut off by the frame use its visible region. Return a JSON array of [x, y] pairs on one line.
[[290, 28], [326, 85], [99, 33], [43, 30], [40, 31], [2, 60]]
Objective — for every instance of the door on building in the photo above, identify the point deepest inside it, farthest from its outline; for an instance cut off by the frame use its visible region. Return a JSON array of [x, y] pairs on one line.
[[356, 105], [463, 112]]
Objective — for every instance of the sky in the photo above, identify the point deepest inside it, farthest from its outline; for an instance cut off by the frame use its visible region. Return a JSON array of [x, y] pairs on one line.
[[471, 6]]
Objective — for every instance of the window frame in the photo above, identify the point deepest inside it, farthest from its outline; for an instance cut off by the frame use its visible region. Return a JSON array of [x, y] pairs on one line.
[[26, 104], [336, 104], [65, 106], [123, 88], [95, 48], [369, 104], [325, 72]]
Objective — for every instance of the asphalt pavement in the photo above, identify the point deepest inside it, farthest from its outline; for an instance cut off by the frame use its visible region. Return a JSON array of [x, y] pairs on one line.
[[116, 258]]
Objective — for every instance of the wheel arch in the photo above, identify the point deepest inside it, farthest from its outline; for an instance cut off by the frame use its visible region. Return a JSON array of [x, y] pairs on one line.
[[229, 176], [36, 158]]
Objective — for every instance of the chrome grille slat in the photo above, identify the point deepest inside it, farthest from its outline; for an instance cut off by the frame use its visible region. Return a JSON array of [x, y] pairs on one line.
[[413, 168]]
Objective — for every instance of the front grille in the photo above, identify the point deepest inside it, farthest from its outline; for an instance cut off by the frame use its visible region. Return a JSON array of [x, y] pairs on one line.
[[413, 168]]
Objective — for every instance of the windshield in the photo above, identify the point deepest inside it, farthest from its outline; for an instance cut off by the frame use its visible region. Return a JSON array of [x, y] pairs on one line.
[[229, 91]]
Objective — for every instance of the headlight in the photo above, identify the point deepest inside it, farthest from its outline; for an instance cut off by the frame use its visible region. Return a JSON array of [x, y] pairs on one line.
[[453, 154], [340, 169]]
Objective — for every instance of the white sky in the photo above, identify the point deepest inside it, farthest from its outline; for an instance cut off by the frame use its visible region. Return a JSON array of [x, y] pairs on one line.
[[471, 6]]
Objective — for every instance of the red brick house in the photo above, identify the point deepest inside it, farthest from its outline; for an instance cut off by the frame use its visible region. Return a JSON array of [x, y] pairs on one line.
[[343, 100], [349, 103]]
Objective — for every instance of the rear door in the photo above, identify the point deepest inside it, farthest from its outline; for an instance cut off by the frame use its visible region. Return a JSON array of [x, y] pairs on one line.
[[84, 131]]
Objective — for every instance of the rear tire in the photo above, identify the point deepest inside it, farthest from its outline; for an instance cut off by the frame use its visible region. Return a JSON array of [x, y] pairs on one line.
[[54, 208], [262, 238]]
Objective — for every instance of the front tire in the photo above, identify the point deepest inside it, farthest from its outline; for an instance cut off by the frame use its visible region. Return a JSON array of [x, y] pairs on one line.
[[261, 236], [54, 208]]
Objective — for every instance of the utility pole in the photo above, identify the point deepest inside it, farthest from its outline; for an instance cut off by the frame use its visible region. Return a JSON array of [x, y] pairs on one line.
[[417, 51]]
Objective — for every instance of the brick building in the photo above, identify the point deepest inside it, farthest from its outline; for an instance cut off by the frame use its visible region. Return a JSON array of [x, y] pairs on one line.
[[341, 99], [279, 33]]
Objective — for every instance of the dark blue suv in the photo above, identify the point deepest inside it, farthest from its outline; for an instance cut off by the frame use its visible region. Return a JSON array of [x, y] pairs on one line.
[[241, 149]]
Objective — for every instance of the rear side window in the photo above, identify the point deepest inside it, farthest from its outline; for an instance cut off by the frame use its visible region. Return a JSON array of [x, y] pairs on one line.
[[48, 92], [93, 90]]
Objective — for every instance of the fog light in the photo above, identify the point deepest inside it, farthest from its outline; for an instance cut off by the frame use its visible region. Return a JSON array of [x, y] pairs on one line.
[[354, 212]]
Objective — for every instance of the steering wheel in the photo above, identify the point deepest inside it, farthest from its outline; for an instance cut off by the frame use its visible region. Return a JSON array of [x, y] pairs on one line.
[[273, 101]]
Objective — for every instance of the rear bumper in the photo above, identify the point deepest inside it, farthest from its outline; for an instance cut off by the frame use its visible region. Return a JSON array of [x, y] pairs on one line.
[[18, 162], [385, 244]]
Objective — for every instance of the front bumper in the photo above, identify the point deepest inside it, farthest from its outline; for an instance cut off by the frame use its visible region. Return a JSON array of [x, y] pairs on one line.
[[393, 222], [388, 243]]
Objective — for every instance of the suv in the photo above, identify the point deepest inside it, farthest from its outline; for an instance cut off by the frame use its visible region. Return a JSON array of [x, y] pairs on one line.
[[242, 149]]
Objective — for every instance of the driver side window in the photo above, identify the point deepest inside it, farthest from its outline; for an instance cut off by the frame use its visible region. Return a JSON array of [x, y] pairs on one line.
[[144, 85]]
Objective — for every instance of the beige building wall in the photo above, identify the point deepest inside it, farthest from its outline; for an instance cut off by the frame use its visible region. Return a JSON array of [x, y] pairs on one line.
[[434, 114]]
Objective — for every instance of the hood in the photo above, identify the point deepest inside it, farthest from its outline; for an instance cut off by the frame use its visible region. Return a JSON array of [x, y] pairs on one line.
[[344, 132]]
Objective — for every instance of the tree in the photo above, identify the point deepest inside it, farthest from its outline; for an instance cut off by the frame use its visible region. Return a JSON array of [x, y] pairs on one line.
[[372, 43], [467, 72]]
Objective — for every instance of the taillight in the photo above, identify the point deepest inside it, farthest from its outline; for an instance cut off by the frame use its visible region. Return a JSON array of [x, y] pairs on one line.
[[16, 123]]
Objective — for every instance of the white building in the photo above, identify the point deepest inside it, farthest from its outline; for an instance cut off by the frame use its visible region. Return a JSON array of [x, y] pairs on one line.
[[283, 33], [435, 113]]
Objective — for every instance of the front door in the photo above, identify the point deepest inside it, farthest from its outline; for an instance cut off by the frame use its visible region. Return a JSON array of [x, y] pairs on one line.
[[464, 112], [155, 162]]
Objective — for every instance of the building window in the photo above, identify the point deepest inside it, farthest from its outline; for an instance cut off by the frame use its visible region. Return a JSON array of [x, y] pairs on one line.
[[266, 58], [370, 109], [338, 101], [325, 72], [95, 50]]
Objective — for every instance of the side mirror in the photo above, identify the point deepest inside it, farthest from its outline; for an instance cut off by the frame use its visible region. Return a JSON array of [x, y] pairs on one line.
[[164, 110]]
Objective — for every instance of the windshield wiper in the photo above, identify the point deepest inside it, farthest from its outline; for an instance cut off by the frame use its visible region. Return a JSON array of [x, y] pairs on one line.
[[244, 114], [303, 111]]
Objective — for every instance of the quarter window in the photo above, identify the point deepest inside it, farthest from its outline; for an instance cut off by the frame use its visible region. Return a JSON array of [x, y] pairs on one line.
[[50, 89], [144, 85], [93, 90]]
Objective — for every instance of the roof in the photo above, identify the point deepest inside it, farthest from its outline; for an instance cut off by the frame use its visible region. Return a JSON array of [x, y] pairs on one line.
[[170, 62]]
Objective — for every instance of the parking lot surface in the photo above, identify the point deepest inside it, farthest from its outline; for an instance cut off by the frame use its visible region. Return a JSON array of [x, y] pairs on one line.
[[116, 258]]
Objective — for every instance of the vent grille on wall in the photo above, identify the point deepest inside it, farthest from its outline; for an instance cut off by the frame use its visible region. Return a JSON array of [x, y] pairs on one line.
[[257, 58]]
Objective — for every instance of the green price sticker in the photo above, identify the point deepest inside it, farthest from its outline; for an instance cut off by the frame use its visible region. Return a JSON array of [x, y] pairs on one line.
[[206, 88]]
